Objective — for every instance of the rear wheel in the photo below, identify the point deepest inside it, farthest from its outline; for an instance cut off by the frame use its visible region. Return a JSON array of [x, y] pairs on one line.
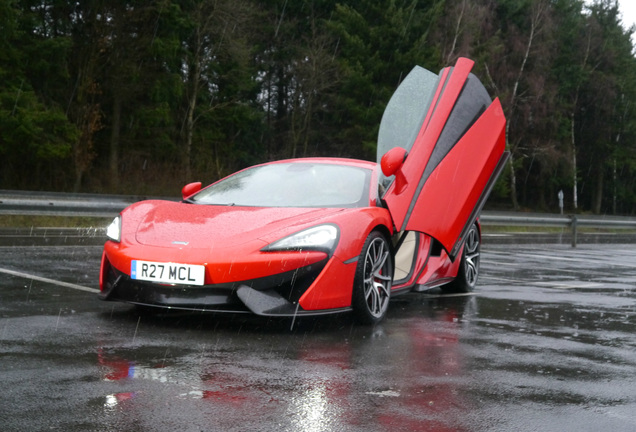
[[373, 279], [468, 273]]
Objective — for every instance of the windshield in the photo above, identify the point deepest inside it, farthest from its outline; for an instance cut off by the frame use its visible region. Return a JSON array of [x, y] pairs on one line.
[[292, 184]]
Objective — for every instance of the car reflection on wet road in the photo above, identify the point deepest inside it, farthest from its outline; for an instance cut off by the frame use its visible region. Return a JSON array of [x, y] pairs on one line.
[[547, 342]]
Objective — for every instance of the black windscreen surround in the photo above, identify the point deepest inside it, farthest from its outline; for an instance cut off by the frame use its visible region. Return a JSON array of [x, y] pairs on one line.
[[471, 104]]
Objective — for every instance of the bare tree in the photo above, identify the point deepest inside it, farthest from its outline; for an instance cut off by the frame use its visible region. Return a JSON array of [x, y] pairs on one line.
[[216, 26], [314, 73]]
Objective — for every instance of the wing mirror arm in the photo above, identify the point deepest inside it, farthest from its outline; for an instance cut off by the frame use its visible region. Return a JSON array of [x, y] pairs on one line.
[[391, 164], [190, 188]]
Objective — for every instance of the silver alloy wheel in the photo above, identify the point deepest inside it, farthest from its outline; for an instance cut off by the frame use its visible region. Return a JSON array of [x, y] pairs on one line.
[[377, 277], [471, 257]]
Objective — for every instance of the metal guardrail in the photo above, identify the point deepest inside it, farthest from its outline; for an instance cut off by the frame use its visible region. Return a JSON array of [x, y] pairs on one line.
[[542, 219], [65, 204], [96, 205], [572, 222]]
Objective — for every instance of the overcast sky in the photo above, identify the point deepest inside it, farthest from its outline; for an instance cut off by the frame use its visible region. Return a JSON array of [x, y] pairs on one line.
[[628, 9]]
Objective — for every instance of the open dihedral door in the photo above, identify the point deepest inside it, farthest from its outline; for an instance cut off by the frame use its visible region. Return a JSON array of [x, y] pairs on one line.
[[455, 138]]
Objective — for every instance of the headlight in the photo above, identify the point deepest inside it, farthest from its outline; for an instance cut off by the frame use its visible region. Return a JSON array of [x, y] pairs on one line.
[[322, 237], [113, 231]]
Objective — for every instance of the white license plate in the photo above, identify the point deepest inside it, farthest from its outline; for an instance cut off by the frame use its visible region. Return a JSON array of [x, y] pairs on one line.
[[169, 273]]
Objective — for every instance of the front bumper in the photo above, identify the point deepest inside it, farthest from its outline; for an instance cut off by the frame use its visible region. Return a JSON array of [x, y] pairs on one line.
[[275, 295]]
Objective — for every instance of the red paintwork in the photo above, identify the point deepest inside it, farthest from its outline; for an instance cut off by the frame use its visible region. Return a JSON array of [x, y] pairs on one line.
[[391, 163], [228, 240], [198, 225], [414, 165], [190, 189], [453, 189], [439, 270], [233, 251], [465, 171]]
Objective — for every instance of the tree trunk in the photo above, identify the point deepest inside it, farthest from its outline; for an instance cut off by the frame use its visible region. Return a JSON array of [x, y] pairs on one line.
[[189, 131], [598, 195], [460, 18], [535, 20], [615, 183], [574, 168], [513, 179], [575, 192], [195, 77], [513, 102], [113, 165], [79, 173]]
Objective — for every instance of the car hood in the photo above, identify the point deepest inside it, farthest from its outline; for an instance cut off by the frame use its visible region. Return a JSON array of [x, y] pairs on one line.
[[171, 224]]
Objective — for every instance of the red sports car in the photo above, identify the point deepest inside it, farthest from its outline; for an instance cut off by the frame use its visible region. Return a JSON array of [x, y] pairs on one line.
[[325, 235]]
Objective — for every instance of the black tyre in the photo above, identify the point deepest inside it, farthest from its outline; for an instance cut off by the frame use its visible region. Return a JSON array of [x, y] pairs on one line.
[[373, 280], [468, 273]]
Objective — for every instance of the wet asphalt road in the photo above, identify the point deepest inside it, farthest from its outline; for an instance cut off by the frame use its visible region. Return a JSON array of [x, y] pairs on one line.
[[547, 343]]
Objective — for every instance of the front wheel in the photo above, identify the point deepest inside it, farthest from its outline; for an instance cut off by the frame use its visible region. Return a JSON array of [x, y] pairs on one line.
[[468, 273], [373, 280]]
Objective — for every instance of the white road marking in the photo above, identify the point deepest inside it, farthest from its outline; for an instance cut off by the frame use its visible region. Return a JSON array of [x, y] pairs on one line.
[[568, 284], [47, 280], [385, 393], [468, 294]]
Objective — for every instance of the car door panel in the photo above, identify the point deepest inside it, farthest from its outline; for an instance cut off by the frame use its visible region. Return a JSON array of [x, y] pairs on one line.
[[453, 160], [460, 183]]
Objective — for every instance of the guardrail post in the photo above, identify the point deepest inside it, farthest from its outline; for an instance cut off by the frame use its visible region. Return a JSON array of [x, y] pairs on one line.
[[573, 224]]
